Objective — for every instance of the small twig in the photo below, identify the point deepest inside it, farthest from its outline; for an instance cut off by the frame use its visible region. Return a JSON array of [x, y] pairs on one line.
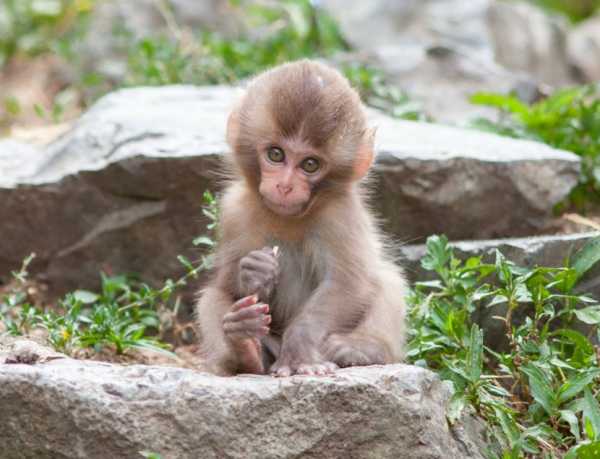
[[581, 220]]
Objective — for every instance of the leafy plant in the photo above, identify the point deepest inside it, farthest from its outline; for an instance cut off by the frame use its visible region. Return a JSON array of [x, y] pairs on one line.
[[150, 455], [376, 92], [540, 395], [569, 119], [575, 10], [120, 316], [282, 31], [32, 27]]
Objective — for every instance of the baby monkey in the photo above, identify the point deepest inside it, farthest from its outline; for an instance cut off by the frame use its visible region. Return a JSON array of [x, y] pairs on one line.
[[302, 281]]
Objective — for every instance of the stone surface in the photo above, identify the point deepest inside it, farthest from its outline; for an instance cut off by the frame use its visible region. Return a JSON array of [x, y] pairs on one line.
[[583, 47], [369, 25], [81, 409], [439, 52], [527, 39], [121, 191]]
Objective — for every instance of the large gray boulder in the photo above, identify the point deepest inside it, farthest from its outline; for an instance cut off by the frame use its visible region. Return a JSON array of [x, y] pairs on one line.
[[122, 190], [65, 408], [440, 52], [583, 47], [528, 39]]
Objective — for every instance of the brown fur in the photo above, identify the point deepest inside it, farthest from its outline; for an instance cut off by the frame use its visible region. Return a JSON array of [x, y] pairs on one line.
[[339, 297]]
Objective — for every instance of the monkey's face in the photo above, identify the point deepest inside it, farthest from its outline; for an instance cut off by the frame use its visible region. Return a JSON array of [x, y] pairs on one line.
[[289, 172]]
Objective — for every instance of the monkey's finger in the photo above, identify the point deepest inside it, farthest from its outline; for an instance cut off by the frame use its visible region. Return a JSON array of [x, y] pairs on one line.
[[244, 302], [250, 325], [258, 263], [250, 312]]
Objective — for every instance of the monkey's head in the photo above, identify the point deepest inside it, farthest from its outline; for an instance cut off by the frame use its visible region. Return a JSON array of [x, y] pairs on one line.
[[300, 133]]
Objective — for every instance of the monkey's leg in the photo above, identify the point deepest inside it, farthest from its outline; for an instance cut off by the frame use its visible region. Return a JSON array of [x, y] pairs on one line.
[[356, 349], [271, 347], [243, 327]]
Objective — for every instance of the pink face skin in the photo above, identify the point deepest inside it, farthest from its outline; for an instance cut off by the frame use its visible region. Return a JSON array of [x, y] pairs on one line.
[[286, 184]]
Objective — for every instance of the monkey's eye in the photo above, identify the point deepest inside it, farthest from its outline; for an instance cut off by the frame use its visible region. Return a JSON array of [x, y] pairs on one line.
[[310, 165], [275, 154]]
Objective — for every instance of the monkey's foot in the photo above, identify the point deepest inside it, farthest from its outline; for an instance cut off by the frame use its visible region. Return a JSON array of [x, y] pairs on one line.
[[249, 354], [350, 351], [312, 369]]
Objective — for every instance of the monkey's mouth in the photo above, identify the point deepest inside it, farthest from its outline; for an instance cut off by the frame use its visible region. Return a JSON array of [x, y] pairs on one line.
[[285, 209]]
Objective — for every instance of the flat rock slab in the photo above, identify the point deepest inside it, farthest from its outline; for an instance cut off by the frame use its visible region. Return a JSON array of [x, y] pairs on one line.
[[121, 191], [66, 408]]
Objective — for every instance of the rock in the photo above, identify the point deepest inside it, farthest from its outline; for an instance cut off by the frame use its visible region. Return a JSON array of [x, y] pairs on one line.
[[121, 191], [550, 251], [83, 409], [17, 350], [16, 159], [583, 47], [433, 179], [527, 39], [439, 52], [442, 78], [369, 25]]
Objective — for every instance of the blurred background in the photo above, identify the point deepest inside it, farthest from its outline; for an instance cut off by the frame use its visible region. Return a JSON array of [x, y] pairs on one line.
[[446, 61]]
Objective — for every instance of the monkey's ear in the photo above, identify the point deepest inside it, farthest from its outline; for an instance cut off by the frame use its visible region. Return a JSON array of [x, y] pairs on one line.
[[364, 155], [233, 127]]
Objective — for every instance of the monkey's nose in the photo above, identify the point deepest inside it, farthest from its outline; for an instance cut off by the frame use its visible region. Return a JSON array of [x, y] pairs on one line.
[[284, 189]]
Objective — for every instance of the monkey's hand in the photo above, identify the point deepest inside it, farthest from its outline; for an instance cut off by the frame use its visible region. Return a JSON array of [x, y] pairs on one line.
[[259, 272], [244, 325]]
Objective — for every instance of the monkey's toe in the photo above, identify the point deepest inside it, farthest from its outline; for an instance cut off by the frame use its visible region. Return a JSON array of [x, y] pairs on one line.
[[282, 372], [317, 369]]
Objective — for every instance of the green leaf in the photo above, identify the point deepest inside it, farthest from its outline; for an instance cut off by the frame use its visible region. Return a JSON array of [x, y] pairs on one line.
[[591, 413], [475, 354], [541, 388], [204, 240], [589, 315], [456, 407], [580, 341], [507, 103], [571, 418], [85, 297], [589, 451], [587, 257], [508, 425], [438, 253], [575, 385]]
